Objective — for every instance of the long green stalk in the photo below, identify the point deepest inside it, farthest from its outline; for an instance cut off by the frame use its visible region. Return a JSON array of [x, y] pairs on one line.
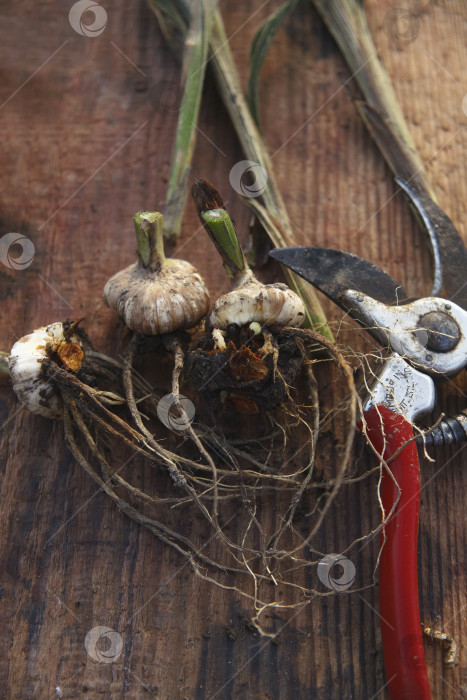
[[258, 50], [346, 21], [195, 58], [253, 146]]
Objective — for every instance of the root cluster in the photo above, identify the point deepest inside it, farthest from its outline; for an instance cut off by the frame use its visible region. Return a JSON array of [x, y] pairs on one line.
[[243, 501]]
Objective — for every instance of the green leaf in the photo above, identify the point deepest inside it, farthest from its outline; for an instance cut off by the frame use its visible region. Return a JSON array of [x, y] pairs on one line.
[[258, 50], [346, 21], [229, 87], [195, 59], [223, 234], [173, 17]]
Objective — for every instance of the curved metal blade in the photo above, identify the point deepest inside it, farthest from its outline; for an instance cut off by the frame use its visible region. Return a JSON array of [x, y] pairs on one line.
[[333, 272], [449, 251]]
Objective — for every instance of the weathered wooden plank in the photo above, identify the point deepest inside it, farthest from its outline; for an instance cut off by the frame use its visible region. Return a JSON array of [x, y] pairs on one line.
[[87, 128]]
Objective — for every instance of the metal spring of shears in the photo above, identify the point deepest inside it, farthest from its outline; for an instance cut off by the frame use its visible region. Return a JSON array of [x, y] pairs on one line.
[[449, 431]]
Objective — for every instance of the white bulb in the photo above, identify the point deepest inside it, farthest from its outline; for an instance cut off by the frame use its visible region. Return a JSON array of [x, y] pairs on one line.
[[254, 302], [30, 383]]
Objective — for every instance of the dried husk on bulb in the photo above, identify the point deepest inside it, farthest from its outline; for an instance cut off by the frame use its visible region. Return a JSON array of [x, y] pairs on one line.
[[156, 295], [254, 302], [250, 301], [61, 343], [244, 362]]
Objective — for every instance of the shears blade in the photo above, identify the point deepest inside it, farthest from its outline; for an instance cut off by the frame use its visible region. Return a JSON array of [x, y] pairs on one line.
[[334, 272], [449, 251]]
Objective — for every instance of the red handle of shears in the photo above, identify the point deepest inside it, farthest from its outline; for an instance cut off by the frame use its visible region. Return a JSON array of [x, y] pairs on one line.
[[401, 631]]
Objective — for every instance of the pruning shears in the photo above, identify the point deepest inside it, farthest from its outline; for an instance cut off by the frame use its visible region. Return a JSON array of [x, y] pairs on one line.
[[427, 340]]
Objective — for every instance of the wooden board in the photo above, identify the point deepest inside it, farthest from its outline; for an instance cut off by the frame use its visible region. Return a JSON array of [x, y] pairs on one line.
[[87, 127]]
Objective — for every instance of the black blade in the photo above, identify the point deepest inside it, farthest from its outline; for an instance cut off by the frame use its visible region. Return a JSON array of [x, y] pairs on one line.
[[333, 272], [449, 251]]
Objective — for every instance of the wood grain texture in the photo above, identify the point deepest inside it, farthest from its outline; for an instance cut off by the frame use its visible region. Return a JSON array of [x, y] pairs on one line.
[[87, 127]]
